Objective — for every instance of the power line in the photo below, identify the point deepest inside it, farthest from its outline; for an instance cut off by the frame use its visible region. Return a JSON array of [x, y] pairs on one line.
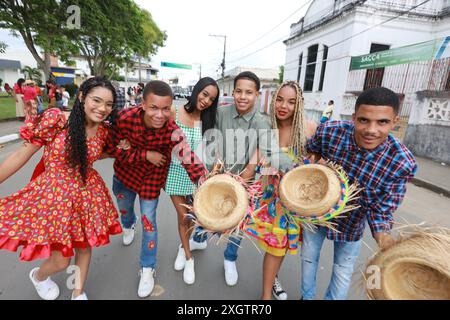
[[361, 32], [339, 42], [265, 34]]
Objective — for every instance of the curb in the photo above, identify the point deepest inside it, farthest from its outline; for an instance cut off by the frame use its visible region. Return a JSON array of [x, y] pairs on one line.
[[432, 187], [9, 138]]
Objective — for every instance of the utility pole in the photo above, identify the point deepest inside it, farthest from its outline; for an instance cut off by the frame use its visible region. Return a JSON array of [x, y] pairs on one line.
[[224, 51]]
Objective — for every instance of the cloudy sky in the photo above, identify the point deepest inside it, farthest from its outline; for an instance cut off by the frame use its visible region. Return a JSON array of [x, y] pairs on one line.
[[250, 26]]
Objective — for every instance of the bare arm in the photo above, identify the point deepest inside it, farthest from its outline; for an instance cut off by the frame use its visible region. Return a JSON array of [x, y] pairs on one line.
[[17, 160]]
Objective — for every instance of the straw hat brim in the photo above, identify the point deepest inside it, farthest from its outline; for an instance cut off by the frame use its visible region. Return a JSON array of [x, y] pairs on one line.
[[310, 190], [220, 203], [417, 268]]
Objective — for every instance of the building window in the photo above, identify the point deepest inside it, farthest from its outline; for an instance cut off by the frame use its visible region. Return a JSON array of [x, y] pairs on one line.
[[324, 66], [300, 61], [374, 77], [310, 67]]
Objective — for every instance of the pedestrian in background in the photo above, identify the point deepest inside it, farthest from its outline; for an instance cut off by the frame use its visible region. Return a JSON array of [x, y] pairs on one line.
[[51, 91], [30, 98], [18, 95], [120, 101], [65, 97], [8, 89], [40, 99], [328, 112], [58, 98]]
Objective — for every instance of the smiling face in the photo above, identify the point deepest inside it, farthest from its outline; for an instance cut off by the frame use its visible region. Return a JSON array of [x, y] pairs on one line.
[[373, 124], [98, 104], [285, 103], [206, 97], [245, 95], [157, 110]]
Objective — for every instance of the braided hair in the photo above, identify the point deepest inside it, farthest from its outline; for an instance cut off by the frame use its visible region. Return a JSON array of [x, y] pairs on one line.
[[76, 146], [207, 116], [297, 141]]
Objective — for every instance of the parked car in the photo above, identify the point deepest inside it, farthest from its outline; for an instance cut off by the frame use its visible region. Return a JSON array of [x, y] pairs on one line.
[[225, 101]]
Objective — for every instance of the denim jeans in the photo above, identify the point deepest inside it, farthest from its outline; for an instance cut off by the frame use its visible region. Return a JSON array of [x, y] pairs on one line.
[[345, 255], [125, 201], [231, 250]]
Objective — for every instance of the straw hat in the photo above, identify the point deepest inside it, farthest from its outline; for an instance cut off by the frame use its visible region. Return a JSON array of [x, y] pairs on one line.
[[415, 268], [220, 203], [311, 189], [29, 81]]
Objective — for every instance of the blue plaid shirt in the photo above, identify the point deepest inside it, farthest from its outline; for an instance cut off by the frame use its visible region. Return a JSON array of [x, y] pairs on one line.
[[382, 173]]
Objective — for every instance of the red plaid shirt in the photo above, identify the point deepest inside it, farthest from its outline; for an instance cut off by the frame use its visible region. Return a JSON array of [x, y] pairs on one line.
[[131, 166]]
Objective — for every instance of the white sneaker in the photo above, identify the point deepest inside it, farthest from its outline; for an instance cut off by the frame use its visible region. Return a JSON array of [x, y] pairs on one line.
[[82, 296], [180, 260], [146, 283], [128, 235], [231, 274], [189, 272], [278, 291], [47, 289], [194, 245]]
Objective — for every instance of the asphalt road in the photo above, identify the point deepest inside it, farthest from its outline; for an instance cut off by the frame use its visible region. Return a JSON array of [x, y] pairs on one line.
[[114, 268]]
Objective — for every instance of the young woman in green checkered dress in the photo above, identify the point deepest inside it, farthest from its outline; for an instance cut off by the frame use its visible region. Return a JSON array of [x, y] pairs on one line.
[[201, 106]]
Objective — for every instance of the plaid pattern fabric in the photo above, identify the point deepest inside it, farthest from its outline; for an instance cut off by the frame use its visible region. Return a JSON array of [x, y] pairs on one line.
[[382, 173], [120, 99], [131, 166], [178, 182]]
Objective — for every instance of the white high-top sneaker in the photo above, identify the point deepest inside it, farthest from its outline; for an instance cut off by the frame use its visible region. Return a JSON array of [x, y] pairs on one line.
[[47, 289], [146, 283], [189, 272], [180, 260], [231, 274], [128, 235], [82, 296], [278, 291]]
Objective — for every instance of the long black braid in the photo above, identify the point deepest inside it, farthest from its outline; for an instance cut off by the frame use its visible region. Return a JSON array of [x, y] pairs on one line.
[[76, 126]]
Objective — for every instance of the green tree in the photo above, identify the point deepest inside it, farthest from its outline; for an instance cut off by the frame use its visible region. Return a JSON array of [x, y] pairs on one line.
[[42, 25], [105, 40], [281, 74], [3, 47], [32, 73]]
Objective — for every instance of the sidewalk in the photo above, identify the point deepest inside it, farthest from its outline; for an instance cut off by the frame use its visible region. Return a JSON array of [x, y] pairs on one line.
[[431, 175]]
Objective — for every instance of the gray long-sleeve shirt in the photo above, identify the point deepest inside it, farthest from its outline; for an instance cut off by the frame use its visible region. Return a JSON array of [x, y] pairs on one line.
[[236, 138]]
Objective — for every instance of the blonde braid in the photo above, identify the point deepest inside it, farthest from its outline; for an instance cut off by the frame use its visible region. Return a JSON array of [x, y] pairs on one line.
[[297, 140]]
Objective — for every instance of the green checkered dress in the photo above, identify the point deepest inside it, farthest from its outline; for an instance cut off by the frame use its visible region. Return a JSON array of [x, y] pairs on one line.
[[178, 182]]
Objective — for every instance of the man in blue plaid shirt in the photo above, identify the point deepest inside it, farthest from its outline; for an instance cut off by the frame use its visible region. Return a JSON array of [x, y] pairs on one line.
[[381, 165]]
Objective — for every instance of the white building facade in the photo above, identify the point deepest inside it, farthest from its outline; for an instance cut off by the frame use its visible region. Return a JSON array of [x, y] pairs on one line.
[[321, 44]]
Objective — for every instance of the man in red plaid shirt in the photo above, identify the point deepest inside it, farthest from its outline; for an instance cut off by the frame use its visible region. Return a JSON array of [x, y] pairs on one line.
[[142, 169]]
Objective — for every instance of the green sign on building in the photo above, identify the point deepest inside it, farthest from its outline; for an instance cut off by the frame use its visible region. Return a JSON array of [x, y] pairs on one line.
[[412, 53], [176, 65]]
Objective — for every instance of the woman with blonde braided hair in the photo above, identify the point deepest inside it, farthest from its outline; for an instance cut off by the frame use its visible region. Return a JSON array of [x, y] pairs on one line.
[[276, 232]]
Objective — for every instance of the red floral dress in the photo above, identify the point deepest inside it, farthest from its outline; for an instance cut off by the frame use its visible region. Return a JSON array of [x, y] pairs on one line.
[[56, 211]]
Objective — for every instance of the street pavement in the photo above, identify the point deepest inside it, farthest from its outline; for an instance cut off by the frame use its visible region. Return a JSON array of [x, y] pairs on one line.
[[114, 268]]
